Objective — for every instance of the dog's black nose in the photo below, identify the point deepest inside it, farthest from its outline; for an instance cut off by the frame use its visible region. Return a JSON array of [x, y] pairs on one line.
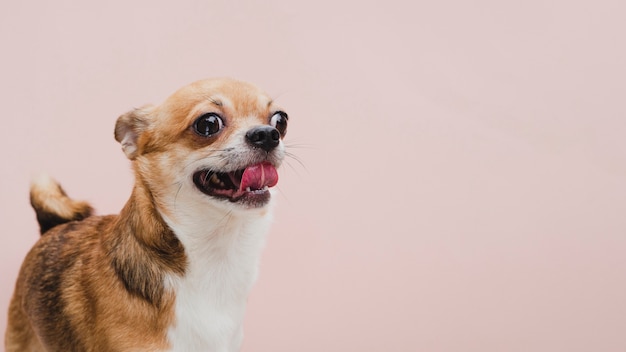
[[264, 137]]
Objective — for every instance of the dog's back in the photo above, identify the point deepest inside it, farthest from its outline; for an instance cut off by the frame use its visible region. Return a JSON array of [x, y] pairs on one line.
[[38, 288], [56, 295]]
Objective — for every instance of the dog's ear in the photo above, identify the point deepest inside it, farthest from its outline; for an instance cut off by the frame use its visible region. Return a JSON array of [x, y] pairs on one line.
[[129, 127]]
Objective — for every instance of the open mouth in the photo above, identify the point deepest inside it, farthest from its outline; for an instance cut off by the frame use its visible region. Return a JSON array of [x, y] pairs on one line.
[[250, 185]]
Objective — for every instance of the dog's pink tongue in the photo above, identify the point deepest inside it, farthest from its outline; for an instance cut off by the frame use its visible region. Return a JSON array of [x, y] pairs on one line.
[[258, 176]]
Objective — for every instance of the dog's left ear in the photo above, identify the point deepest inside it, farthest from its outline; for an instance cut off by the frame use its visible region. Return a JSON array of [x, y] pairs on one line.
[[129, 127]]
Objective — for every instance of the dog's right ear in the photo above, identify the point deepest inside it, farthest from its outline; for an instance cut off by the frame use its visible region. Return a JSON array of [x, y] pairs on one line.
[[129, 128]]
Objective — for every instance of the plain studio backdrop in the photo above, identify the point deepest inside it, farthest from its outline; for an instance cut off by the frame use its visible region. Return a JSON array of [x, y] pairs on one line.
[[461, 165]]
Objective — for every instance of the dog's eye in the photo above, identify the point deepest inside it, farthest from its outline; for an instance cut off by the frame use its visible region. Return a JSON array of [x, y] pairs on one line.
[[279, 122], [208, 124]]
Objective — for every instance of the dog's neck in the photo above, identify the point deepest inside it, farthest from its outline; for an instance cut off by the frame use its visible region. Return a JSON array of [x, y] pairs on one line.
[[213, 248], [143, 248], [218, 241], [222, 246]]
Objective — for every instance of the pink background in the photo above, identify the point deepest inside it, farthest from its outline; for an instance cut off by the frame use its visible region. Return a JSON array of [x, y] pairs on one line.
[[463, 185]]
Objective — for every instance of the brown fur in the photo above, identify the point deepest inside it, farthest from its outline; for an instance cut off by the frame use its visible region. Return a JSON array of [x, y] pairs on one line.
[[53, 207], [96, 283]]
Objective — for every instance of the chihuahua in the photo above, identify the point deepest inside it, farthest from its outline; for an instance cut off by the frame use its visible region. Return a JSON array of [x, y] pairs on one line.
[[173, 270]]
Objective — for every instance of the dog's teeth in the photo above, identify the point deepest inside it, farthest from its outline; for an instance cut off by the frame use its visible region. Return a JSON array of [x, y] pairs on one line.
[[265, 188], [215, 179], [248, 189]]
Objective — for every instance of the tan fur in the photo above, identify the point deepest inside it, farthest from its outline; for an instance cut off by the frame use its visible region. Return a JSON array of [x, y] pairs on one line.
[[103, 313], [53, 206], [96, 283], [52, 199]]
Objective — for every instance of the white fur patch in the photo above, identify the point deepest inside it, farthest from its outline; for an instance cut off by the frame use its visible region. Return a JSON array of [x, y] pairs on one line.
[[223, 249]]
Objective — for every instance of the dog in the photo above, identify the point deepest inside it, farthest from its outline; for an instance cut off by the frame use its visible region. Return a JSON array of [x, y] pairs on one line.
[[172, 271]]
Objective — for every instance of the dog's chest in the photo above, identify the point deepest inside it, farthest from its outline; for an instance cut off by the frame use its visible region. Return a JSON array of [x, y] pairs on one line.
[[207, 318], [210, 298]]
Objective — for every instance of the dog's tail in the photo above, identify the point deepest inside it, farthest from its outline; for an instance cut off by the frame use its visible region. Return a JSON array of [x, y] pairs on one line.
[[53, 206]]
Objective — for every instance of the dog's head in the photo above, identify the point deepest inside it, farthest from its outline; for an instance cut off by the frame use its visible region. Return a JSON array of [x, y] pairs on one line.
[[218, 141]]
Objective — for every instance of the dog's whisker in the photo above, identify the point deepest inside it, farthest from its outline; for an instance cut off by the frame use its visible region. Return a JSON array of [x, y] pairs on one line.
[[180, 186], [283, 194], [220, 158], [297, 159], [300, 146], [227, 218]]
